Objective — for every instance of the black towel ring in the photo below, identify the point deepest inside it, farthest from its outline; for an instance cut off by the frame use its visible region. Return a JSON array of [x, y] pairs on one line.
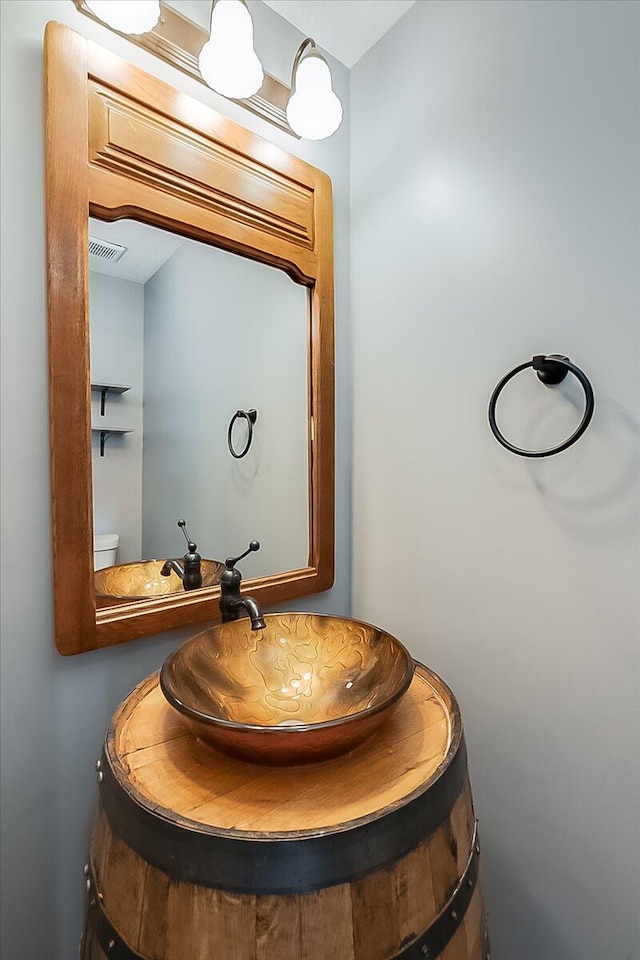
[[250, 416], [551, 370]]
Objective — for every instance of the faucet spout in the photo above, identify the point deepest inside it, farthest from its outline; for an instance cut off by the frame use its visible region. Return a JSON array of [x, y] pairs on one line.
[[254, 613], [174, 565]]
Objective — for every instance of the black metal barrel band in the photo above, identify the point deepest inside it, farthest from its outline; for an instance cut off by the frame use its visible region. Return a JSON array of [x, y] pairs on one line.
[[551, 370], [278, 865], [250, 416], [428, 946]]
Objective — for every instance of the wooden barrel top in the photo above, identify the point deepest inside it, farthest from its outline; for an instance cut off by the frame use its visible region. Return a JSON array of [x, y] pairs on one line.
[[165, 768]]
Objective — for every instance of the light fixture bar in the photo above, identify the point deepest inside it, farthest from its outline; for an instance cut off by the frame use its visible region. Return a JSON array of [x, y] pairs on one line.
[[178, 41]]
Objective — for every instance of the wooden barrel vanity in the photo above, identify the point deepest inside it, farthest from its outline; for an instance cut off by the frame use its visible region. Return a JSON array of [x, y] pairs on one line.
[[369, 856]]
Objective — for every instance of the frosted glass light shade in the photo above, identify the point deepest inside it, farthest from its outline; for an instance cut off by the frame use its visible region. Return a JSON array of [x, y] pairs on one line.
[[314, 111], [127, 16], [228, 62]]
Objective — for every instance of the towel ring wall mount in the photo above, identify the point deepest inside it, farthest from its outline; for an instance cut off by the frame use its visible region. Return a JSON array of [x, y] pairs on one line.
[[551, 370]]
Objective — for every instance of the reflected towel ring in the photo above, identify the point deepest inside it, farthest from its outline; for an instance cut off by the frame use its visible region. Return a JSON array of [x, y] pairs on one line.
[[551, 370], [250, 416]]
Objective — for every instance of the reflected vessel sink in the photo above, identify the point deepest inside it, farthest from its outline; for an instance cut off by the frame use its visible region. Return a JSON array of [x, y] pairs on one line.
[[127, 582], [307, 687]]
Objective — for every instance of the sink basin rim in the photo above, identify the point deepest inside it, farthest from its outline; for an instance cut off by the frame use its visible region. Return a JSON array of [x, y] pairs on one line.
[[207, 718], [141, 596]]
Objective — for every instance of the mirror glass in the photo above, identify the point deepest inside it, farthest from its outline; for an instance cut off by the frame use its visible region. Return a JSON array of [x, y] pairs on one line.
[[183, 336]]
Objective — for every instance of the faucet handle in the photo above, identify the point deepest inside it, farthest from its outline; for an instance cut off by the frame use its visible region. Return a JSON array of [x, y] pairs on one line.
[[192, 546], [230, 562]]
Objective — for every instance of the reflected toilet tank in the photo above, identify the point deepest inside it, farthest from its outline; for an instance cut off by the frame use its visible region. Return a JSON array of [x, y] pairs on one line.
[[105, 550]]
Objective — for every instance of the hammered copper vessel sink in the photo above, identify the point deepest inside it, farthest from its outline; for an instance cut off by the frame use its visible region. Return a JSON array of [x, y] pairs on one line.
[[143, 580], [305, 688]]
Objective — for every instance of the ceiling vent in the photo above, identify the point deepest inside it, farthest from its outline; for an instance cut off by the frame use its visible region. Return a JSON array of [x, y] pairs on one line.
[[105, 250]]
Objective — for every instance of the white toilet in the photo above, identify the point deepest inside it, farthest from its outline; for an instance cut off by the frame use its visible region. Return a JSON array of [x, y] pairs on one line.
[[105, 550]]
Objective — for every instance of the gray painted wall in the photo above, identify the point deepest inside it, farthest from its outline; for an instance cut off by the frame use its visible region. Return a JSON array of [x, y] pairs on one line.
[[55, 710], [494, 216], [223, 333], [116, 310]]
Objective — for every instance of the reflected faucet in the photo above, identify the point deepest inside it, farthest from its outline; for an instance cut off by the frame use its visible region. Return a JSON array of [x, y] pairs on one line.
[[190, 570], [231, 600]]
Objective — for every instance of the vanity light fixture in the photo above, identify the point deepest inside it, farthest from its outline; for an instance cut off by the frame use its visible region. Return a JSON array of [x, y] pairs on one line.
[[126, 16], [314, 111], [225, 60], [228, 62]]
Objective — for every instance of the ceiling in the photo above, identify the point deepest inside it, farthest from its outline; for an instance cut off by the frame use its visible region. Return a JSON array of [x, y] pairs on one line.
[[344, 28], [147, 248]]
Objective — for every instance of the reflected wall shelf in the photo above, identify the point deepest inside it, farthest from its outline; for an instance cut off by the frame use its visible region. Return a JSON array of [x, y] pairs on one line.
[[105, 388], [106, 432]]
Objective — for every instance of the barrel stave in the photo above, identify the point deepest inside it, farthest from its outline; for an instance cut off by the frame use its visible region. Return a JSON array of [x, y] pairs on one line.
[[336, 936]]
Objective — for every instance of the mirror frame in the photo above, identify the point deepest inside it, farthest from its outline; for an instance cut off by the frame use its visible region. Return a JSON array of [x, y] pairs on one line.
[[121, 143]]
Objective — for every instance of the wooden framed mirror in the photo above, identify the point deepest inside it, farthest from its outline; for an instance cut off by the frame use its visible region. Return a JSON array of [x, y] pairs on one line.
[[124, 146]]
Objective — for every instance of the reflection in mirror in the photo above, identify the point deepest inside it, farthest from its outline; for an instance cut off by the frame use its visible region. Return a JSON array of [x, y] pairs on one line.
[[183, 336]]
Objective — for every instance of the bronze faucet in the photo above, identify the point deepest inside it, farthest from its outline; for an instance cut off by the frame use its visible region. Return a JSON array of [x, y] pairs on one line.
[[231, 600], [190, 569]]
